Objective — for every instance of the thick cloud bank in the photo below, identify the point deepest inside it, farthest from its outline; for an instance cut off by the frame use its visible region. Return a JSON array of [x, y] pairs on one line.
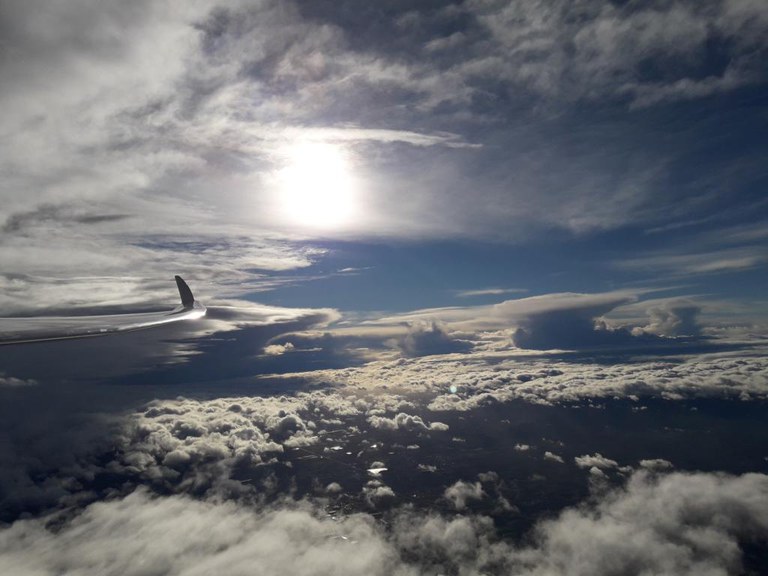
[[675, 524], [461, 383]]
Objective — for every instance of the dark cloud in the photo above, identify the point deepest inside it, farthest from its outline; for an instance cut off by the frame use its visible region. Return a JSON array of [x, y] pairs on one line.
[[571, 328], [50, 215], [425, 339]]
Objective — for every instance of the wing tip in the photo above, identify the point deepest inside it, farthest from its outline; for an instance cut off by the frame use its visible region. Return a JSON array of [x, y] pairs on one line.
[[187, 298]]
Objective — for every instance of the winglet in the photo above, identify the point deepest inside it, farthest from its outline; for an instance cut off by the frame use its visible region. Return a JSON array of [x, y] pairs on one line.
[[187, 299]]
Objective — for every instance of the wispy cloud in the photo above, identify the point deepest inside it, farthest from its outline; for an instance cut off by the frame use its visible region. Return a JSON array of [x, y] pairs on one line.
[[595, 50], [489, 292], [699, 262]]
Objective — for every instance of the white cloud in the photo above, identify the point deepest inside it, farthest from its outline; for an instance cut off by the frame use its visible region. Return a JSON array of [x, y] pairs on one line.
[[682, 524], [488, 292], [553, 457], [511, 313], [678, 319], [377, 494], [459, 493], [597, 460], [405, 421], [656, 465], [499, 376], [278, 349]]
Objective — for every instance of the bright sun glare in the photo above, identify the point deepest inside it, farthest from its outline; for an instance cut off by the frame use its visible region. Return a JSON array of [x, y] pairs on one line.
[[316, 186]]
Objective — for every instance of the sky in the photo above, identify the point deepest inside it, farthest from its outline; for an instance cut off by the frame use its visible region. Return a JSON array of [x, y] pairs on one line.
[[533, 235]]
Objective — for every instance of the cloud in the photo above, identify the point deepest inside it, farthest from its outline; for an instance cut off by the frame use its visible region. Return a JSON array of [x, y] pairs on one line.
[[107, 147], [510, 313], [377, 494], [459, 493], [596, 51], [195, 447], [114, 155], [676, 523], [699, 262], [464, 383], [133, 273], [405, 422], [424, 339], [179, 351], [674, 320], [597, 460], [488, 292], [180, 445], [278, 349], [561, 320], [553, 457], [656, 465], [12, 382], [572, 326], [700, 509]]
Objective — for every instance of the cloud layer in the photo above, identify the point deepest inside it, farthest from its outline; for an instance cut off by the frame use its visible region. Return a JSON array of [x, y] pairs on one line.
[[678, 523]]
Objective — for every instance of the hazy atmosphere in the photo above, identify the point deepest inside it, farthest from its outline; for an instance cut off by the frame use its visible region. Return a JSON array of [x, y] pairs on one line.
[[485, 285]]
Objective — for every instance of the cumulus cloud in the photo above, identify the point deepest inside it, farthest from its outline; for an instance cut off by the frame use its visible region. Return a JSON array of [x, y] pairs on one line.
[[459, 493], [457, 385], [403, 421], [424, 339], [674, 320], [678, 523], [596, 460], [553, 457], [559, 320], [377, 494], [278, 349], [701, 510], [194, 446], [185, 445]]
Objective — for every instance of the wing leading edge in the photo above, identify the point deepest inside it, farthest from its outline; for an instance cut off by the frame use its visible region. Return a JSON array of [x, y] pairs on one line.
[[47, 328]]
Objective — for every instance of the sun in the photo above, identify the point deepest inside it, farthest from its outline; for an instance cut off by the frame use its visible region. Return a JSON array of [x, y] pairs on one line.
[[316, 186]]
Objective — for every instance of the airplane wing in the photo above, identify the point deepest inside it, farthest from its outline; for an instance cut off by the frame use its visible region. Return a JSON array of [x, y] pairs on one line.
[[46, 328]]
